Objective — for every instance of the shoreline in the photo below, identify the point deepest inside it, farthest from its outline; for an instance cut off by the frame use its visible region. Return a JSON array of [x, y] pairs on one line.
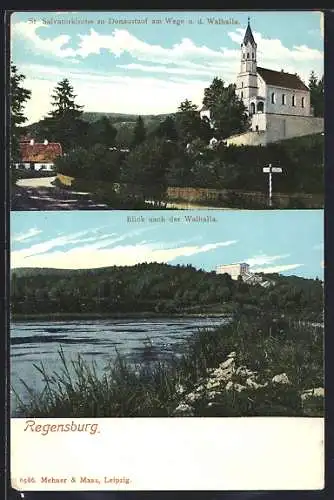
[[119, 315]]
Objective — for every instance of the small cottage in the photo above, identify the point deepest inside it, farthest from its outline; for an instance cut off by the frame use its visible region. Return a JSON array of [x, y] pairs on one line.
[[38, 156]]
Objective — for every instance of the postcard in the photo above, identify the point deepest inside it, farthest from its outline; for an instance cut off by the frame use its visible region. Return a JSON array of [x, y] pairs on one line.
[[157, 110], [169, 350]]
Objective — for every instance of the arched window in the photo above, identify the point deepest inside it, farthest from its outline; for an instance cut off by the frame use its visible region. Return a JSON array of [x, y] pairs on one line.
[[283, 99], [260, 107], [253, 57], [242, 95], [252, 108], [303, 102], [273, 100], [247, 55], [293, 100]]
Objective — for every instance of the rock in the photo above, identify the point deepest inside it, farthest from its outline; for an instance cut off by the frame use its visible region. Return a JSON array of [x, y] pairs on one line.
[[318, 392], [222, 374], [183, 410], [235, 387], [212, 383], [243, 371], [213, 404], [226, 364], [281, 378], [213, 395], [200, 388], [250, 382], [180, 389], [239, 387], [192, 397]]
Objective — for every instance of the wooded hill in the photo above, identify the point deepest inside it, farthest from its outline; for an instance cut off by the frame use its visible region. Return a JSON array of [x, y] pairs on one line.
[[159, 288]]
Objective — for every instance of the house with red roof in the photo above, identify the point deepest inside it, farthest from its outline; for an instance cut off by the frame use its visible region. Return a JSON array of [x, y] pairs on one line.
[[38, 155]]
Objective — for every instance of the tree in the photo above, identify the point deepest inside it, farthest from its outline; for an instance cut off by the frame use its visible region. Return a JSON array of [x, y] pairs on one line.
[[145, 169], [228, 112], [103, 132], [189, 123], [64, 101], [63, 124], [18, 97], [139, 132], [167, 129], [97, 163], [317, 94]]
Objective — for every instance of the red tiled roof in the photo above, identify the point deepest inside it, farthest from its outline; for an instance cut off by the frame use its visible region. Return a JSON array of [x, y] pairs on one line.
[[281, 79], [40, 152]]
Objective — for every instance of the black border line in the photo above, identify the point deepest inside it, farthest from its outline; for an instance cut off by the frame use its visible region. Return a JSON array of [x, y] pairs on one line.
[[329, 252]]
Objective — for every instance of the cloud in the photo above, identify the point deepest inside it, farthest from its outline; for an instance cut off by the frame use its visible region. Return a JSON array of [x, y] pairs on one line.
[[55, 46], [96, 255], [27, 235], [276, 269], [262, 259], [154, 68]]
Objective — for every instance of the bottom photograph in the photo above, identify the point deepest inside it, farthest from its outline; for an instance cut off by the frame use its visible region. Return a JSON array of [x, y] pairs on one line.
[[180, 314]]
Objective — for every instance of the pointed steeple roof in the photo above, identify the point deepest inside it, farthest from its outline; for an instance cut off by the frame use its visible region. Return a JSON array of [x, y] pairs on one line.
[[249, 35]]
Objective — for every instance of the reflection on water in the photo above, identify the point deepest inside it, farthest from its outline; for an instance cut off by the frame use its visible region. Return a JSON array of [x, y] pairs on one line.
[[99, 340]]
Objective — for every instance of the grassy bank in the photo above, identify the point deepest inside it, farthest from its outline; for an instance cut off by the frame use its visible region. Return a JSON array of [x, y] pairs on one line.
[[266, 346]]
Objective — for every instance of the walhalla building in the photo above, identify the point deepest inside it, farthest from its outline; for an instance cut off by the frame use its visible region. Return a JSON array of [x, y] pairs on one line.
[[277, 102]]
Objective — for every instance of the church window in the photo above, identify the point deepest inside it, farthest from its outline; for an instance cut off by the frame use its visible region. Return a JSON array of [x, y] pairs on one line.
[[253, 55], [273, 99], [252, 108], [303, 102], [283, 99], [293, 100], [247, 55], [260, 107], [242, 95]]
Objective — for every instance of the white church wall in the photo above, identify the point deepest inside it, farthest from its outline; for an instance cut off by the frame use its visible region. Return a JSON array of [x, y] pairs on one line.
[[279, 128], [287, 108], [285, 127], [247, 139], [259, 120]]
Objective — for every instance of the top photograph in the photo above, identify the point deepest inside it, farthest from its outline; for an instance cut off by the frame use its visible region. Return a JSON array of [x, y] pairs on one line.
[[166, 110]]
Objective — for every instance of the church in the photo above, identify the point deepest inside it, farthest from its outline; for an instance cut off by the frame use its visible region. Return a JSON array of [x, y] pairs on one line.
[[277, 102]]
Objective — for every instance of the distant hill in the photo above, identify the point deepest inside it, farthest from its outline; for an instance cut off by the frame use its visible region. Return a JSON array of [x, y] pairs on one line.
[[156, 287], [122, 118]]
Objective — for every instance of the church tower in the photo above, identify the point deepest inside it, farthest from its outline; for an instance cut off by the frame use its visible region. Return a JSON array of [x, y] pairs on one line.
[[247, 87]]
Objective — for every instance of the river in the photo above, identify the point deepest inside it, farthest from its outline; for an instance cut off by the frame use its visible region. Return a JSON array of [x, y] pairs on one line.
[[33, 342]]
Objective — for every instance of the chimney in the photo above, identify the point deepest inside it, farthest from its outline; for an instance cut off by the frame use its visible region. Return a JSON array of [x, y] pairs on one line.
[[282, 70], [46, 142], [32, 142]]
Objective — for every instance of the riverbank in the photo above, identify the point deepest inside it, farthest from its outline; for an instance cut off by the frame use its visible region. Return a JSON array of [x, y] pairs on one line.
[[253, 366], [114, 315]]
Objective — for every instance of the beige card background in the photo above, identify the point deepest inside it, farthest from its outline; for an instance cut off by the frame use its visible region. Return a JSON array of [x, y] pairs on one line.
[[168, 454]]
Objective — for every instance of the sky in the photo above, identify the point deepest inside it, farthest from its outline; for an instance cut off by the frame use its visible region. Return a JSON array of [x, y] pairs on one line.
[[123, 62], [285, 241]]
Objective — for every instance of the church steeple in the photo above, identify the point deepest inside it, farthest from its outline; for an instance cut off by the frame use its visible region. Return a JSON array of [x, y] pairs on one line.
[[248, 38], [248, 52]]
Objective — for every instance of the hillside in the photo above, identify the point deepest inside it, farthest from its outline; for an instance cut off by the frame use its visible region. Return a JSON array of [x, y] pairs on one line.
[[160, 288]]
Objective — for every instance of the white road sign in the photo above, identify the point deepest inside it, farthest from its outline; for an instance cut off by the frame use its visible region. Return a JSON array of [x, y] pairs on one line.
[[266, 170], [277, 170]]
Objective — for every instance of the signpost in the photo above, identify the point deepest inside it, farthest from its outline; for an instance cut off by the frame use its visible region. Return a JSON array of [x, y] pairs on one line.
[[271, 170]]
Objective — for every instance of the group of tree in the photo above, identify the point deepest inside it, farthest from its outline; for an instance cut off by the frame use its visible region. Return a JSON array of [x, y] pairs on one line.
[[316, 86], [175, 152], [159, 288]]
